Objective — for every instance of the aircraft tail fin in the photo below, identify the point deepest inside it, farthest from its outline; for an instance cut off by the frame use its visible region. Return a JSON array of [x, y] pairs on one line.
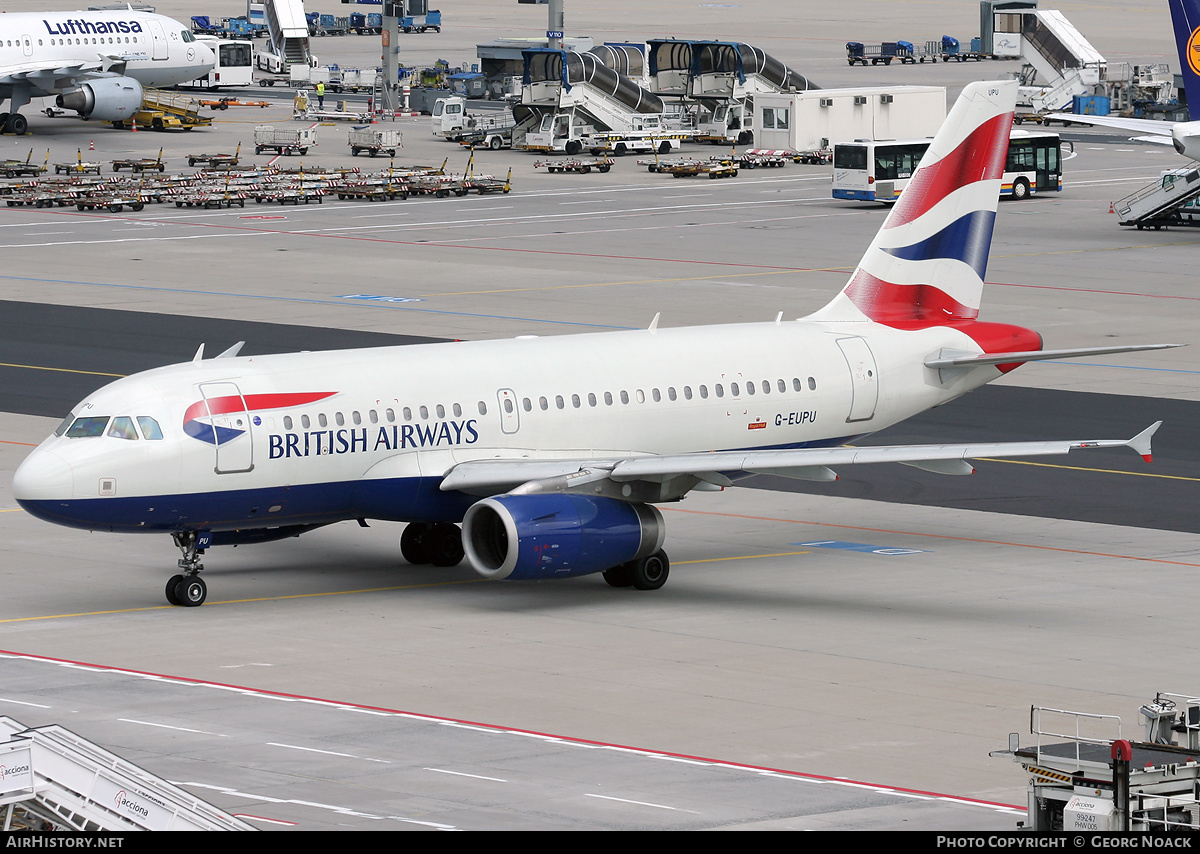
[[1185, 18], [926, 265]]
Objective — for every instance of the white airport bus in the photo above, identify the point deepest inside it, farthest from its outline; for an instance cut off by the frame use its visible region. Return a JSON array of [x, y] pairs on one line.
[[234, 66], [877, 170]]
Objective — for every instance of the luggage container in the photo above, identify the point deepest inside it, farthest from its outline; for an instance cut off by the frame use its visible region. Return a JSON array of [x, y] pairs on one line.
[[374, 140], [284, 140]]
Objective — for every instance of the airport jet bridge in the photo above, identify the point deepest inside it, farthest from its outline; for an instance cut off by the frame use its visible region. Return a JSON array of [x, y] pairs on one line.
[[1085, 774], [53, 779], [569, 98], [723, 78]]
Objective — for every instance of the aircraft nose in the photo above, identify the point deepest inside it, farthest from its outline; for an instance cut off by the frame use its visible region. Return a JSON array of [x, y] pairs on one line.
[[43, 476]]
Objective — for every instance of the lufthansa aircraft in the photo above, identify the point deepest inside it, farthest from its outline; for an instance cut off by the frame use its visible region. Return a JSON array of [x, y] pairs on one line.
[[553, 452], [95, 62], [1184, 136]]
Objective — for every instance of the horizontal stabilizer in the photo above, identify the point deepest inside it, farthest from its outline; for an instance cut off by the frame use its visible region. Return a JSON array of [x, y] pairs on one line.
[[972, 361]]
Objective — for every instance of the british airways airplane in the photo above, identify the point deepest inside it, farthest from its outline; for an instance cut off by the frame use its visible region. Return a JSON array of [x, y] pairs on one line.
[[95, 62], [552, 452]]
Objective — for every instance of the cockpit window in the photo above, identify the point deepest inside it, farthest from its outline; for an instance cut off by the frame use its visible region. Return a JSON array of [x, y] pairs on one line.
[[122, 428], [88, 427], [150, 428], [187, 36], [67, 422]]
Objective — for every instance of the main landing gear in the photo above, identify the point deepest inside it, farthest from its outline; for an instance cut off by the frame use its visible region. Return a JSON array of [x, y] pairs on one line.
[[647, 573], [187, 589], [438, 543]]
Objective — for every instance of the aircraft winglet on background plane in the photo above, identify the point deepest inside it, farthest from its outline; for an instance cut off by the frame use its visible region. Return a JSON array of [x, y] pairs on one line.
[[96, 63], [1184, 136], [554, 451]]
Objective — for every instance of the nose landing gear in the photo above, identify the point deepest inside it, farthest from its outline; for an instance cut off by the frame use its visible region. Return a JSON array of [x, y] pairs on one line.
[[187, 589]]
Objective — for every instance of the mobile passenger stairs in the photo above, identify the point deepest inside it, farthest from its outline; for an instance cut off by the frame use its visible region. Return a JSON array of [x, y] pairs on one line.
[[574, 101], [1086, 775], [57, 780], [723, 78], [1053, 51], [1174, 199], [287, 36]]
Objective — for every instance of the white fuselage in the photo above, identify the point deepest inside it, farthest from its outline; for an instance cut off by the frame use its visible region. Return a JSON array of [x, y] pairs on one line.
[[391, 419], [156, 50]]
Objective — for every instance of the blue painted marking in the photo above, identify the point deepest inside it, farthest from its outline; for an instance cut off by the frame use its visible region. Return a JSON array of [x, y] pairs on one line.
[[861, 547], [378, 298]]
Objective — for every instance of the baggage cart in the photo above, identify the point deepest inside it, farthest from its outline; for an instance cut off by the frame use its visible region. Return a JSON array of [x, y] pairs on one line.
[[374, 140], [858, 53], [572, 164], [138, 166], [290, 140], [216, 161], [18, 168]]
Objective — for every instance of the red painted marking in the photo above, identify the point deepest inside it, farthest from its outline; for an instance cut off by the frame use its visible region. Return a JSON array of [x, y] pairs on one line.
[[905, 306], [979, 157], [233, 403], [502, 729]]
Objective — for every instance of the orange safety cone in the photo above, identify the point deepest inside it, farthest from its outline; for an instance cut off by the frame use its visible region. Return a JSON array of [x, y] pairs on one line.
[[1111, 209], [91, 145], [135, 125]]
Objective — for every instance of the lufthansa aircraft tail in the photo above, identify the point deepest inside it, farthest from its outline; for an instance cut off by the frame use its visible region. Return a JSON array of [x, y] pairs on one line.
[[1185, 18], [927, 263]]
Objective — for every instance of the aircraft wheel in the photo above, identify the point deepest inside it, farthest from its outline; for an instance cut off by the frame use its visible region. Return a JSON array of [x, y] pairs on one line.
[[191, 592], [414, 544], [18, 124], [619, 576], [172, 583], [650, 573], [445, 544]]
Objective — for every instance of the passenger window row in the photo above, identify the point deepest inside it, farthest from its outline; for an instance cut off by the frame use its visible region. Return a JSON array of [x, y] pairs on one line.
[[735, 390]]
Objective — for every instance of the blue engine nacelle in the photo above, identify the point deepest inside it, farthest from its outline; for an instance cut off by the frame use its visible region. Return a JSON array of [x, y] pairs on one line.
[[526, 537]]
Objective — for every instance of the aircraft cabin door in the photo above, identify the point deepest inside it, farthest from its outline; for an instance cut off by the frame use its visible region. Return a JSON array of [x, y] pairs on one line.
[[232, 433], [159, 38], [510, 416], [864, 378]]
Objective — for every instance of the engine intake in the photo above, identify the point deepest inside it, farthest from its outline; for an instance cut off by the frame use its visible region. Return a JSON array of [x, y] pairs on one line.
[[527, 537], [111, 99]]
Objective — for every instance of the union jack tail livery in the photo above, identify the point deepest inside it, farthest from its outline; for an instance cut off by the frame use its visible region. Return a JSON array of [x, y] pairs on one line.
[[927, 263]]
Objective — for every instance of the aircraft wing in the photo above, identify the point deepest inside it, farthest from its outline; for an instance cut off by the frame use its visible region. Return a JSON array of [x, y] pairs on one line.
[[542, 475], [51, 77], [1142, 126]]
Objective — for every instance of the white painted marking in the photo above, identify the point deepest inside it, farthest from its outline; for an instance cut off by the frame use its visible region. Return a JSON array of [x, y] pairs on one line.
[[462, 774], [311, 750], [639, 803], [19, 703], [176, 728]]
